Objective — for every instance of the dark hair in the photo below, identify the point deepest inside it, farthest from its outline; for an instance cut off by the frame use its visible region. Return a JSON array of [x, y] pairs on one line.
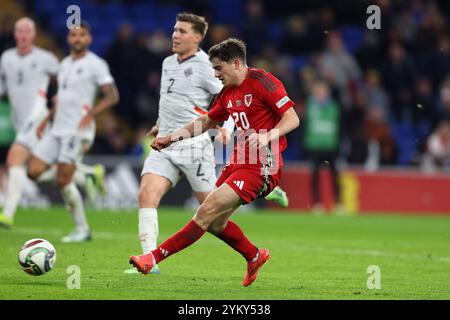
[[83, 25], [228, 50], [199, 23]]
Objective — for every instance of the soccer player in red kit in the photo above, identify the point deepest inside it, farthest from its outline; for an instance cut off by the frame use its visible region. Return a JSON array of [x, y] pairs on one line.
[[263, 115]]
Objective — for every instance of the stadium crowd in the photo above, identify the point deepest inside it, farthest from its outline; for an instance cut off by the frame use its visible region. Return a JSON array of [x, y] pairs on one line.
[[392, 85]]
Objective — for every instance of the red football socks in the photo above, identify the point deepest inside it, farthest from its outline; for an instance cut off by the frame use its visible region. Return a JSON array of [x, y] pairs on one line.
[[180, 240], [235, 238]]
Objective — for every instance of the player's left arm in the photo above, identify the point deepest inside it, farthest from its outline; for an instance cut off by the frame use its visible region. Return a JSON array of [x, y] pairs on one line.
[[273, 93], [110, 97], [288, 122]]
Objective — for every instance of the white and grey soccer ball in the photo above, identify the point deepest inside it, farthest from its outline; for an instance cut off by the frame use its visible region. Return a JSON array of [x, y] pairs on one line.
[[37, 257]]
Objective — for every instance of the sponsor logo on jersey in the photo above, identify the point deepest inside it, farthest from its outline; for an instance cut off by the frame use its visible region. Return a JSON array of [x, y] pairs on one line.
[[248, 99], [282, 101], [230, 105], [239, 183]]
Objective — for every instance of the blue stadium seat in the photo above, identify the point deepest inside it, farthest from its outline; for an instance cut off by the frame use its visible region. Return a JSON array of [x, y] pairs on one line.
[[227, 11], [406, 142], [146, 25], [142, 11], [101, 43], [44, 8], [276, 32], [353, 37], [298, 62]]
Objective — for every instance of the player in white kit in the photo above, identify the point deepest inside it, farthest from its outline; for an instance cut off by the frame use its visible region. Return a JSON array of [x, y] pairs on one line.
[[25, 73], [188, 86], [82, 74]]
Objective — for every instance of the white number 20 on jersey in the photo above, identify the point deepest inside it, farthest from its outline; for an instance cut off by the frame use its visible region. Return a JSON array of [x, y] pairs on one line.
[[241, 117]]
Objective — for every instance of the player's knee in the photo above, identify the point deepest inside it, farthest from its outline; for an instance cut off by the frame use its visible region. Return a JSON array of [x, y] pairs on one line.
[[148, 196], [206, 214], [63, 180], [33, 172]]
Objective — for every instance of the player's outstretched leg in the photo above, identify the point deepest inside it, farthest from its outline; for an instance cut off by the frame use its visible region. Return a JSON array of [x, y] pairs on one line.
[[92, 178], [74, 204], [17, 177], [220, 201], [231, 234], [279, 196], [179, 241]]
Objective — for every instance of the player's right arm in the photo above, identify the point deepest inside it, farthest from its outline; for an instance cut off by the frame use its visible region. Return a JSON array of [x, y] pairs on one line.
[[41, 128], [192, 129], [153, 131]]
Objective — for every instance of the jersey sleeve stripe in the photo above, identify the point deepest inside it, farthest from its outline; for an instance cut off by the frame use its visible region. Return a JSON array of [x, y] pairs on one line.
[[270, 89], [200, 111], [270, 81], [270, 85]]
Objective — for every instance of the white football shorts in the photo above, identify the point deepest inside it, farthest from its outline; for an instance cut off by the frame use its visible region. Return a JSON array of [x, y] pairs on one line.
[[194, 159]]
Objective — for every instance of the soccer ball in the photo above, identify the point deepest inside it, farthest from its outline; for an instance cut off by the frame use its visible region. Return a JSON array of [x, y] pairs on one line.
[[37, 256]]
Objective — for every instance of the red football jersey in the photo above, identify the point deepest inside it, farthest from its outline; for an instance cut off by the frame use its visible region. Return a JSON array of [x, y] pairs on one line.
[[256, 105]]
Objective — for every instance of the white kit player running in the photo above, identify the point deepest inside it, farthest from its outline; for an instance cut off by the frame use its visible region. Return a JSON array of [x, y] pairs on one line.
[[82, 74], [25, 73]]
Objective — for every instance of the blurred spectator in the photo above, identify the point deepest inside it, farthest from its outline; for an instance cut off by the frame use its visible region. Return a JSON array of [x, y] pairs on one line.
[[254, 29], [112, 137], [425, 100], [444, 100], [377, 97], [6, 32], [121, 59], [381, 149], [295, 39], [321, 137], [437, 154], [339, 68], [308, 75], [355, 130], [398, 77], [216, 34], [441, 60], [369, 54], [272, 61]]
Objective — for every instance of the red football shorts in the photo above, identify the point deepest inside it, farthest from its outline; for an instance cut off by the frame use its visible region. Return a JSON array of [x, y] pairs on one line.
[[250, 181]]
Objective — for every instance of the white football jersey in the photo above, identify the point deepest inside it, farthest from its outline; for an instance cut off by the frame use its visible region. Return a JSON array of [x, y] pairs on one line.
[[78, 84], [25, 78], [187, 88]]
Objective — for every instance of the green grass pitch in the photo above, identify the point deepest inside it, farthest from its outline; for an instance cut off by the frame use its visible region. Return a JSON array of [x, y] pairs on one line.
[[312, 257]]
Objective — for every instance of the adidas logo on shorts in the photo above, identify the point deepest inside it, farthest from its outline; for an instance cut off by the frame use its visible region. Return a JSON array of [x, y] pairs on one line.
[[239, 183]]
